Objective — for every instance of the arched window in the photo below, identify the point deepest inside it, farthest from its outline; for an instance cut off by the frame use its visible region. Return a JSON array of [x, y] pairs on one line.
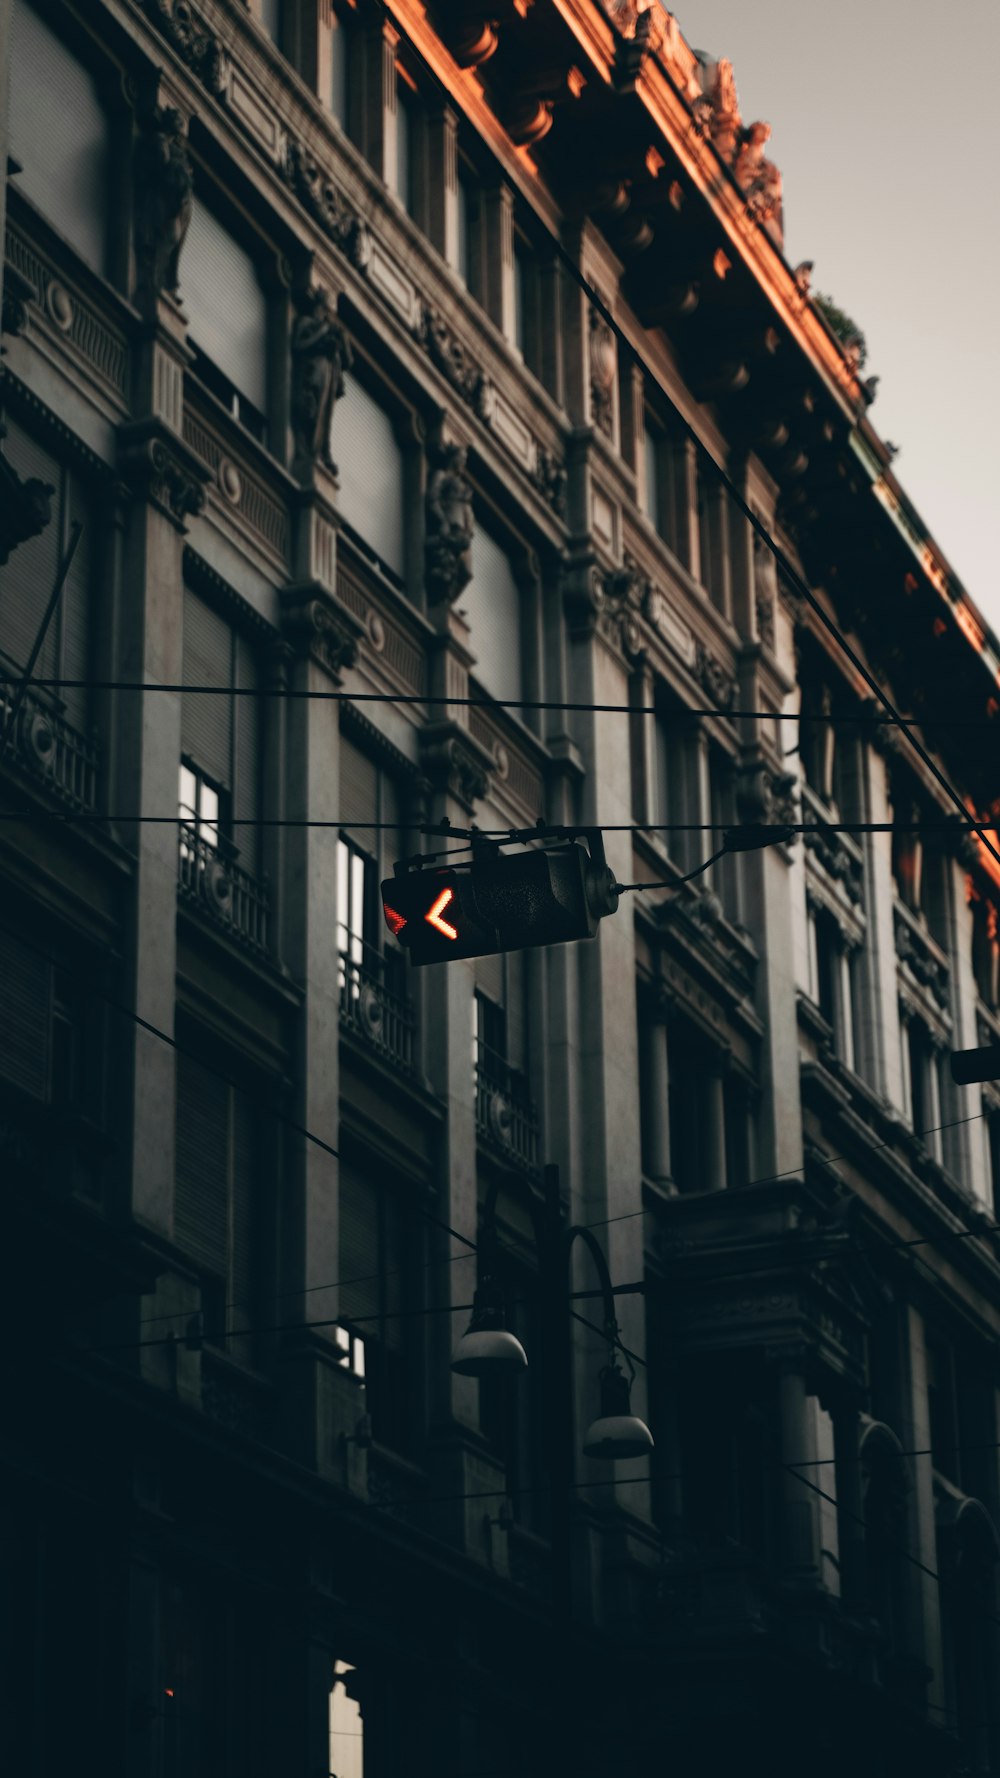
[[59, 135]]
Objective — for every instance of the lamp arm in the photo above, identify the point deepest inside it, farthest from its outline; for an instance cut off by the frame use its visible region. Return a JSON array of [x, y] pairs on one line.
[[593, 1246]]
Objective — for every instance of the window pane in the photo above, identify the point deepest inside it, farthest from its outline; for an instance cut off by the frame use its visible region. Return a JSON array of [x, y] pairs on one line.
[[519, 301], [338, 71], [188, 795], [652, 479], [370, 462], [403, 133], [343, 891], [208, 826], [226, 307], [492, 606], [346, 1728], [58, 133], [462, 244], [270, 18], [357, 905]]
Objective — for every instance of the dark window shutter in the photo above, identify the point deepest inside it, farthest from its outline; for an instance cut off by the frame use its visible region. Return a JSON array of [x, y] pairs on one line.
[[226, 305], [24, 1016], [202, 1195], [370, 460], [359, 1251], [59, 134], [246, 757], [489, 977], [398, 1261], [358, 792], [205, 720], [30, 573], [516, 1015]]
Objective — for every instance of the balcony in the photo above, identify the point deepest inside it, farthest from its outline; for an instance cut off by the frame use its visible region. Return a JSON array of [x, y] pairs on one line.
[[212, 882], [48, 748], [506, 1120], [374, 1012]]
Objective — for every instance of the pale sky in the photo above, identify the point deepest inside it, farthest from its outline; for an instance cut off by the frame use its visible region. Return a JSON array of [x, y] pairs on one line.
[[884, 130]]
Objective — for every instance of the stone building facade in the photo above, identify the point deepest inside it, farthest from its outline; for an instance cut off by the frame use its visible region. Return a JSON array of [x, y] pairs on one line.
[[388, 358]]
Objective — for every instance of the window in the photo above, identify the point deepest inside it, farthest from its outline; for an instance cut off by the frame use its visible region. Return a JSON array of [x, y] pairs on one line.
[[227, 314], [370, 462], [829, 1527], [271, 18], [216, 1209], [832, 984], [713, 535], [985, 949], [664, 482], [725, 873], [380, 1263], [942, 1409], [505, 1115], [922, 1061], [347, 1730], [696, 1109], [522, 273], [467, 237], [992, 1122], [30, 575], [366, 853], [676, 798], [403, 183], [59, 135], [492, 606], [220, 736], [340, 53], [53, 1033]]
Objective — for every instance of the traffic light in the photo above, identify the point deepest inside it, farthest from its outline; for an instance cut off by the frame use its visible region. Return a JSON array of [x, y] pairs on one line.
[[970, 1066], [499, 903]]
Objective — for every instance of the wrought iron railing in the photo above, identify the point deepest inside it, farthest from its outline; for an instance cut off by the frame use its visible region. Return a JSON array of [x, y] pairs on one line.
[[506, 1120], [376, 1011], [44, 744], [220, 887]]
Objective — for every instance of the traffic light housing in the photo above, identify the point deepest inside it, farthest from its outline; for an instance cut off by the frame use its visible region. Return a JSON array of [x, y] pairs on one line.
[[499, 903]]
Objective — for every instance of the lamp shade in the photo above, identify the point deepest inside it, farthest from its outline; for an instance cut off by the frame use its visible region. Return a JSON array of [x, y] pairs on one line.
[[617, 1432], [486, 1349]]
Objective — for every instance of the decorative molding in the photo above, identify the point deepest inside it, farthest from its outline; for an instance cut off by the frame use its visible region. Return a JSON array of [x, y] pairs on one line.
[[18, 291], [603, 370], [209, 584], [187, 34], [63, 440], [37, 281], [454, 763], [399, 654], [916, 957], [318, 625], [549, 477], [451, 358], [626, 597], [715, 677], [326, 204], [162, 472], [262, 512]]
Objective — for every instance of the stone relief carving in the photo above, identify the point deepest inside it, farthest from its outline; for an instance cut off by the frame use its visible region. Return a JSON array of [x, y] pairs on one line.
[[626, 597], [765, 584], [162, 475], [449, 524], [196, 45], [456, 364], [321, 353], [317, 192], [603, 364], [316, 626], [164, 193], [549, 476], [711, 673], [454, 763]]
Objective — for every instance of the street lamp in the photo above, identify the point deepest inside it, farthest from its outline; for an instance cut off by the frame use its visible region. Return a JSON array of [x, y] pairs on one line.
[[488, 1349]]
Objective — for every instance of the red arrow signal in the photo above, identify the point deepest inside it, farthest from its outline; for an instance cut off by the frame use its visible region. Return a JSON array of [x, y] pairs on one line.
[[433, 916]]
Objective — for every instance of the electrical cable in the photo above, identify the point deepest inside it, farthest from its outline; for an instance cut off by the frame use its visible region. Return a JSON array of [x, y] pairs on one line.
[[432, 830], [665, 714]]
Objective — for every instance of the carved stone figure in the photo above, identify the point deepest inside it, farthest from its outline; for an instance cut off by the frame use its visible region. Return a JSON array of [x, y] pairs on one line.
[[726, 120], [450, 525], [164, 191], [749, 161], [321, 353]]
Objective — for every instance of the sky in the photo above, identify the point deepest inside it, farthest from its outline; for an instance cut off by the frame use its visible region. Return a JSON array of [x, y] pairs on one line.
[[883, 129]]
